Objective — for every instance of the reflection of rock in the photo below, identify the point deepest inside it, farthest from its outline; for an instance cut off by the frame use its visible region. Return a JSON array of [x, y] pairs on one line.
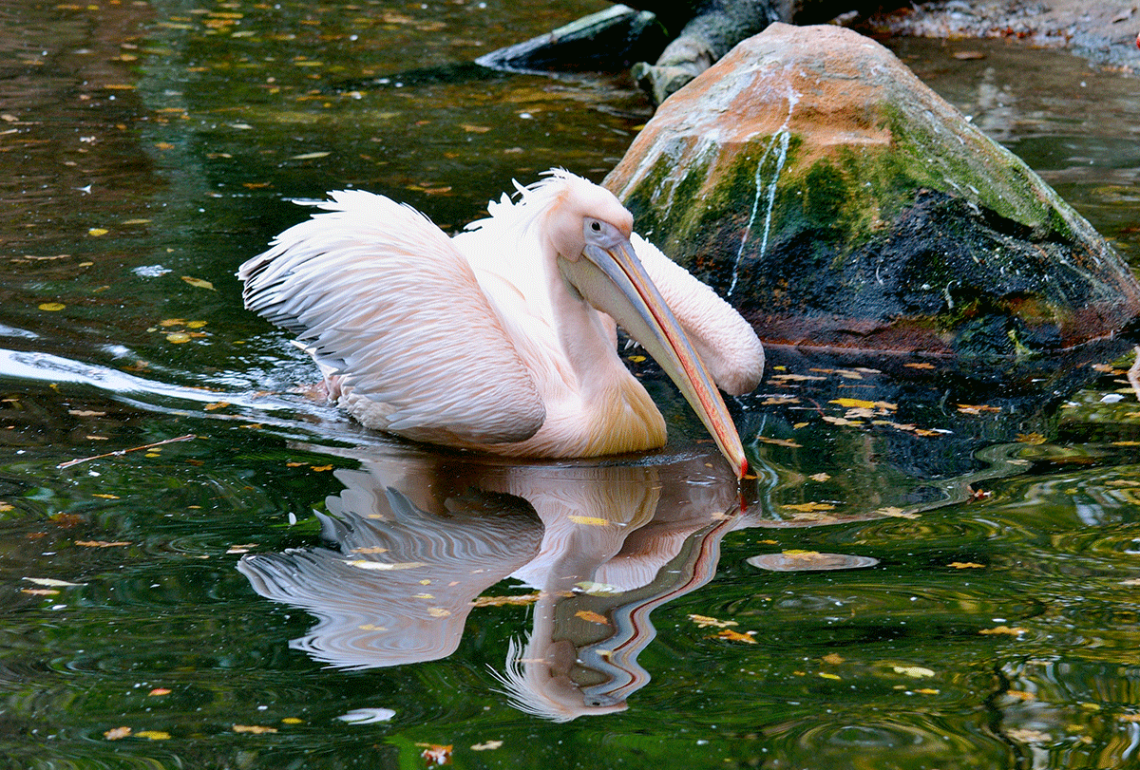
[[841, 203]]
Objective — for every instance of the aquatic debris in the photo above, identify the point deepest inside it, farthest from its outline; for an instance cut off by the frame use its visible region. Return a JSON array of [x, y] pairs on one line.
[[119, 452]]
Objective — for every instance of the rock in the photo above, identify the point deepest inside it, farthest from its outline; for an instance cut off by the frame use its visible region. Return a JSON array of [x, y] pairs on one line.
[[837, 201]]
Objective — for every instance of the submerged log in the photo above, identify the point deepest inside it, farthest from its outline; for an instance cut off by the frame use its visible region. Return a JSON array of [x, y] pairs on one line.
[[839, 202]]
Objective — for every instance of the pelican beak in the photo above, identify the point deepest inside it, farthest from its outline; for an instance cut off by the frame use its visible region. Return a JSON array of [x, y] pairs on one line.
[[612, 279]]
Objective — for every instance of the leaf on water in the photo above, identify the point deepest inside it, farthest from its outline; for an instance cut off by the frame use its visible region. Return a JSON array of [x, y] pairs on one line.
[[501, 601], [101, 543], [104, 496], [39, 591], [321, 468], [840, 421], [833, 659], [370, 549], [310, 156], [435, 754], [475, 129], [52, 582], [598, 589], [809, 507], [117, 734], [825, 675], [137, 222], [1021, 695], [154, 735], [159, 691], [199, 283], [779, 401], [734, 636], [704, 621], [858, 403], [779, 442], [52, 307], [977, 408], [591, 616], [914, 672], [384, 566], [1028, 735], [487, 746], [589, 521], [966, 565], [438, 612], [217, 405], [820, 477], [177, 338], [5, 507], [86, 413], [254, 729], [1003, 630], [927, 691], [796, 377], [98, 231], [896, 513], [919, 366], [1030, 438], [292, 721]]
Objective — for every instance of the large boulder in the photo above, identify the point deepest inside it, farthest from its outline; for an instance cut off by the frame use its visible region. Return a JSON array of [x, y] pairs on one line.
[[838, 201]]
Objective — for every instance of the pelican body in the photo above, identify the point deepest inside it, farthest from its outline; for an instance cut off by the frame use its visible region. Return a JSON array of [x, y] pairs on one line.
[[503, 339]]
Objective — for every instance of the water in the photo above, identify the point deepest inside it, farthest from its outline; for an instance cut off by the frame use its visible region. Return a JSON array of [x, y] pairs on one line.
[[931, 570]]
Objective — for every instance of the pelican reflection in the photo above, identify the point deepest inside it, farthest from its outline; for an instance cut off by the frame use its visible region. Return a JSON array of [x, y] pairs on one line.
[[415, 539]]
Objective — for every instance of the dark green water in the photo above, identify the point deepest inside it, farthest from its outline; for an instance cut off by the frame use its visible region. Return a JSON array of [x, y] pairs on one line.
[[980, 607]]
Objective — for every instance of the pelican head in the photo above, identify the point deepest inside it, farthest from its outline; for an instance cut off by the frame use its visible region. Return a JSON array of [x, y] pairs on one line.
[[589, 231]]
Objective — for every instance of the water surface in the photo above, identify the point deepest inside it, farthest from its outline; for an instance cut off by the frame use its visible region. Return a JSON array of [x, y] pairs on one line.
[[931, 570]]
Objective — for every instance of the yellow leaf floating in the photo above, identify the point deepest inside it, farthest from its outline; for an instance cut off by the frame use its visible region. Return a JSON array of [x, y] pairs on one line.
[[177, 338], [154, 735], [858, 403], [966, 565], [704, 621], [1003, 630], [292, 721], [825, 675], [117, 733], [499, 601], [254, 729], [198, 282], [915, 672], [734, 636], [98, 231], [589, 521], [591, 616], [52, 307], [809, 507]]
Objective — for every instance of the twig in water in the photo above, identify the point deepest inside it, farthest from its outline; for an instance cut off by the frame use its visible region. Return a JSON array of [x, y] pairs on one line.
[[1134, 374], [119, 452]]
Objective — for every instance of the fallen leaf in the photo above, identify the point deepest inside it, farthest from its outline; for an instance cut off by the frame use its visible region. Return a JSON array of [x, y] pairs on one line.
[[159, 691], [598, 589], [488, 746], [832, 659], [199, 283], [1030, 438], [177, 338], [86, 413], [919, 366], [915, 672], [501, 601], [475, 129], [117, 734], [310, 156], [703, 621], [779, 442], [1003, 630], [977, 408], [589, 521], [1021, 695], [966, 565], [292, 721], [857, 403], [321, 468], [825, 675], [52, 582], [820, 477], [100, 543], [98, 231], [436, 754], [927, 691], [384, 566], [104, 496], [217, 405], [154, 735], [254, 729], [39, 591], [591, 616], [809, 507], [52, 307], [734, 636]]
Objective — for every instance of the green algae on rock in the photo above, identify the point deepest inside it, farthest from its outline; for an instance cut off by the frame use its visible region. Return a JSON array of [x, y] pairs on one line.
[[839, 202]]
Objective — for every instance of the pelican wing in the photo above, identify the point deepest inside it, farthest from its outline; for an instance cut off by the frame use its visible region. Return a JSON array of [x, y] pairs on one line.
[[724, 340], [381, 299]]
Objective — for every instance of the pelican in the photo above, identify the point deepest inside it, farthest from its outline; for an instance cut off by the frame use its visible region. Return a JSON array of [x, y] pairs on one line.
[[504, 338]]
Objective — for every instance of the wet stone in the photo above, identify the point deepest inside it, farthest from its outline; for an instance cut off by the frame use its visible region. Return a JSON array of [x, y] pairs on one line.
[[839, 202]]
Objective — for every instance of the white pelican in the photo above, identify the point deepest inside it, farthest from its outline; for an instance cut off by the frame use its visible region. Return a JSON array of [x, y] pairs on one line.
[[504, 338]]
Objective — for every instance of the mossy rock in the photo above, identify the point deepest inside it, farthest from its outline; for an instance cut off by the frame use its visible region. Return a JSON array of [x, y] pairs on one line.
[[839, 202]]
